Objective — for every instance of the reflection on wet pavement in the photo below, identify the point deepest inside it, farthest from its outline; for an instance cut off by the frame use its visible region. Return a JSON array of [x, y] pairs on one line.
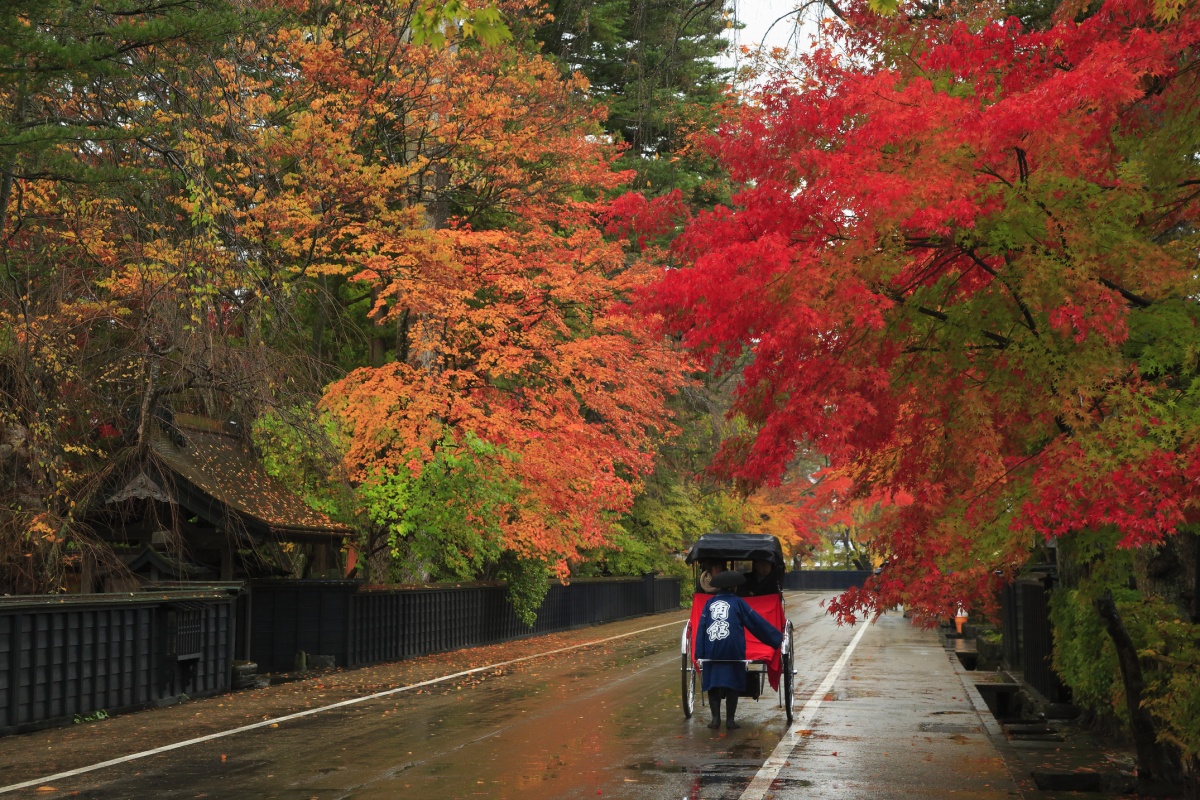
[[606, 721]]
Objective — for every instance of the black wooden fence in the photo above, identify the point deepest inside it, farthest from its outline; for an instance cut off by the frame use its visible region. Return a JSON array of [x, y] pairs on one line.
[[1012, 626], [1037, 639], [291, 616], [359, 627], [74, 655], [824, 579], [68, 656]]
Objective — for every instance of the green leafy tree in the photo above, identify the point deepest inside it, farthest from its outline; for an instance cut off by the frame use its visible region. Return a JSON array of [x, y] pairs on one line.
[[444, 519]]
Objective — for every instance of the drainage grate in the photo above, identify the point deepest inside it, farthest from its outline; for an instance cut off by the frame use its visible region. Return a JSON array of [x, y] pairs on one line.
[[948, 727], [1081, 781]]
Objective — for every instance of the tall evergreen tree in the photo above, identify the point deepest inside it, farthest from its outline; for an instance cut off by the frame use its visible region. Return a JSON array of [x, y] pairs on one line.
[[653, 64]]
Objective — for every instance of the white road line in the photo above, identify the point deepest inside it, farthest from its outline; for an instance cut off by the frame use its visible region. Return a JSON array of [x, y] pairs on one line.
[[770, 769], [267, 722]]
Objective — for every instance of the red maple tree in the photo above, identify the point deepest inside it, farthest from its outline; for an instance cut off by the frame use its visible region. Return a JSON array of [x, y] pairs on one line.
[[961, 263]]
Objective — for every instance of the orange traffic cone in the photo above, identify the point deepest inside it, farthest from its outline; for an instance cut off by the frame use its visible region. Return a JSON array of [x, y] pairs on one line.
[[960, 619]]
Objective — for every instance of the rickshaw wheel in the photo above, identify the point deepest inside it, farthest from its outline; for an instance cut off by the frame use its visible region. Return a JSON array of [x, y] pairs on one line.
[[789, 672], [688, 673]]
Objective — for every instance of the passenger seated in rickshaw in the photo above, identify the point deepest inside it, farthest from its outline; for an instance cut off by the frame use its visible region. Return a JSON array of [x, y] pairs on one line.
[[712, 568], [721, 636], [761, 579]]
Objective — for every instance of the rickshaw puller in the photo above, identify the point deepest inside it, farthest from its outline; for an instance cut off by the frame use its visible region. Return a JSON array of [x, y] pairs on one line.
[[722, 636]]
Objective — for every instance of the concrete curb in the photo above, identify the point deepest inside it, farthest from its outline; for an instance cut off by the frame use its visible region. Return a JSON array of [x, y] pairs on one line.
[[969, 678]]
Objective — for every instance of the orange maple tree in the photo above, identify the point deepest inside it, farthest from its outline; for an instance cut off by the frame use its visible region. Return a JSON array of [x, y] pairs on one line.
[[462, 188], [577, 400]]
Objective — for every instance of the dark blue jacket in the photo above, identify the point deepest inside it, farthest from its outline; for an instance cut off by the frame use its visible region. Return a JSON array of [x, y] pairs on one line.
[[722, 635]]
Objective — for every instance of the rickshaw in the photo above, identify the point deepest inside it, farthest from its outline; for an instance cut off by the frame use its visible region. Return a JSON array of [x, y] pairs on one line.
[[764, 664]]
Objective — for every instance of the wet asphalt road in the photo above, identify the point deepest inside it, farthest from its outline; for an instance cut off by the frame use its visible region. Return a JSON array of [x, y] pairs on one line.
[[605, 720]]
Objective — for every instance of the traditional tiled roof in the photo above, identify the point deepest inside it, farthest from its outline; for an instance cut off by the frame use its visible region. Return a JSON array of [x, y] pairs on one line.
[[217, 477], [168, 565]]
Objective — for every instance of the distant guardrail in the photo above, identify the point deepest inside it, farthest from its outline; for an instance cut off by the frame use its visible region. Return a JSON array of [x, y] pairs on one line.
[[824, 579]]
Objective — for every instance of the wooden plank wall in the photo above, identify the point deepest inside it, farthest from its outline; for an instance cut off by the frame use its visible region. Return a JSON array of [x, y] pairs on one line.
[[59, 661]]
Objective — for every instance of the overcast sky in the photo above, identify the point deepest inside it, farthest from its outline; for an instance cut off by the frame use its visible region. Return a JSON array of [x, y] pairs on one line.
[[757, 16]]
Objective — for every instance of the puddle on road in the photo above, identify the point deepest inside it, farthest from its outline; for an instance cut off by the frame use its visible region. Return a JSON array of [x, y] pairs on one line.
[[727, 779], [751, 751], [656, 766], [782, 784], [723, 769]]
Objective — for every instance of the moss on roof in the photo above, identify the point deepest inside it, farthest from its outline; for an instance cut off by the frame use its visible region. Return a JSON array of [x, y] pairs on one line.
[[219, 464]]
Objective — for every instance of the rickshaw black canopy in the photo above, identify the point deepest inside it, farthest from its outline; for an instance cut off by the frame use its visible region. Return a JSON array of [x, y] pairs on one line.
[[737, 547]]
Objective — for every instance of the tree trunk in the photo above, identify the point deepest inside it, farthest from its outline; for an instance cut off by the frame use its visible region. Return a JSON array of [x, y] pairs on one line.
[[1154, 765], [318, 328], [402, 338], [1195, 542], [378, 354]]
